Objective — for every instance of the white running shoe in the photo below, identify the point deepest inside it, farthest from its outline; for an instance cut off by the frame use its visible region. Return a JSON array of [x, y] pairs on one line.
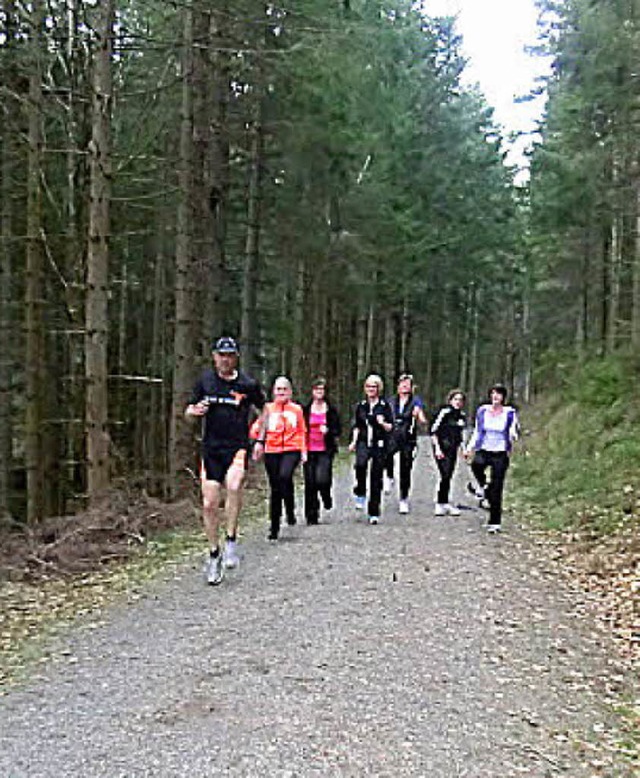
[[440, 509], [403, 506], [492, 529], [389, 483], [374, 519], [452, 510], [214, 570], [230, 557], [360, 503]]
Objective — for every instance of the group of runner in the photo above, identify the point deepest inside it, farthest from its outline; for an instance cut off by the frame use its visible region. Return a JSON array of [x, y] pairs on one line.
[[286, 434]]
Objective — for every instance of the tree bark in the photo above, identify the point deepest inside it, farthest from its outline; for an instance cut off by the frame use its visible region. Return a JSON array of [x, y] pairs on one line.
[[219, 304], [635, 298], [249, 321], [34, 287], [186, 312], [8, 328], [96, 319], [614, 268]]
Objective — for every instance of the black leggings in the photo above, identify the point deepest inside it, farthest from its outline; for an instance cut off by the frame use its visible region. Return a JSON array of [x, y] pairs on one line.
[[364, 456], [318, 477], [280, 469], [406, 465], [446, 466], [498, 464]]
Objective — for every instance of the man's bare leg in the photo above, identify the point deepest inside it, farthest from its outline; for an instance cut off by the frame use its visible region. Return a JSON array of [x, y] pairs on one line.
[[233, 504], [211, 511], [234, 485]]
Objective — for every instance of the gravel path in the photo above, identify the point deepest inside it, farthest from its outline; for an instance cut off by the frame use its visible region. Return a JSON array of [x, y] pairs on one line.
[[420, 647]]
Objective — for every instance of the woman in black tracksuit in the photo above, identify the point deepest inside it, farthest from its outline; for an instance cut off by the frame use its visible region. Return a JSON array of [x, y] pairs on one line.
[[370, 432], [408, 412], [323, 430], [446, 436]]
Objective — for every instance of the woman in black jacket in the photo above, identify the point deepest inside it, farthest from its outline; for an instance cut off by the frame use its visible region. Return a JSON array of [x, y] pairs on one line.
[[323, 431], [446, 435], [370, 433]]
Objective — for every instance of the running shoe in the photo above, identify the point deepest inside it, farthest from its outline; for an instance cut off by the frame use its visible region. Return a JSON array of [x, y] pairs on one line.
[[403, 506], [230, 557], [374, 519], [360, 503], [476, 491], [452, 510], [440, 510], [492, 529], [215, 570], [389, 483], [291, 521]]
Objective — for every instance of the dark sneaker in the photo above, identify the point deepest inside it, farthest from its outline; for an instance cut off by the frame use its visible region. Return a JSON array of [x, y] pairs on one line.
[[291, 521], [476, 491]]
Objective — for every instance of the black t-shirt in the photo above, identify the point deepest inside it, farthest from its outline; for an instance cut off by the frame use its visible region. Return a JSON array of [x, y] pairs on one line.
[[226, 423]]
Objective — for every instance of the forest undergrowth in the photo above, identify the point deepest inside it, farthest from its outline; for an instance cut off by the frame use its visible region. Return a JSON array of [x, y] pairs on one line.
[[577, 485]]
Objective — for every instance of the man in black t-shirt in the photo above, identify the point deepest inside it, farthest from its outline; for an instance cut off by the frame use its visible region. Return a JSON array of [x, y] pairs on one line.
[[223, 398]]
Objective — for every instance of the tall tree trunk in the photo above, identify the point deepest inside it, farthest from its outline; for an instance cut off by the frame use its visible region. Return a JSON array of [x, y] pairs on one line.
[[390, 350], [370, 340], [463, 372], [362, 365], [186, 313], [208, 284], [614, 268], [96, 326], [635, 301], [249, 321], [300, 355], [220, 305], [74, 388], [472, 392], [8, 327], [404, 336], [157, 429], [34, 288]]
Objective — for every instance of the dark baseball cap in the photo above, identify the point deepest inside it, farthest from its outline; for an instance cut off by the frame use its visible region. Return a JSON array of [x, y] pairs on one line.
[[226, 345]]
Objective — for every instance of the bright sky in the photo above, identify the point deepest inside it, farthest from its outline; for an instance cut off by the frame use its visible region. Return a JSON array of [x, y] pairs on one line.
[[495, 33]]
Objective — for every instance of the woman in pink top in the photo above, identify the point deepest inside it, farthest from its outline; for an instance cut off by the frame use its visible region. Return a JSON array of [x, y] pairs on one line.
[[323, 431]]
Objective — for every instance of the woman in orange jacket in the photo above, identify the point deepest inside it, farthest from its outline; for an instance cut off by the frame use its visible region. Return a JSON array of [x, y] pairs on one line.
[[282, 430]]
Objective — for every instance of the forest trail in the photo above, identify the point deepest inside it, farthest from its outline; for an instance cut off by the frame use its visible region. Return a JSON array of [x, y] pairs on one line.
[[420, 647]]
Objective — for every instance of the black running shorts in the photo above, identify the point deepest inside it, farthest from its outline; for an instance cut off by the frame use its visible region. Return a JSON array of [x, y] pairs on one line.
[[216, 464]]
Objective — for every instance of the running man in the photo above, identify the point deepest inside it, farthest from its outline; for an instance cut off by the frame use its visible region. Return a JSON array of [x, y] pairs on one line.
[[223, 397]]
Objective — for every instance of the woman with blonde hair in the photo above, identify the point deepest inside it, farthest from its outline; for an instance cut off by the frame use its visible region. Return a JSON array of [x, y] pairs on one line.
[[282, 431], [371, 429]]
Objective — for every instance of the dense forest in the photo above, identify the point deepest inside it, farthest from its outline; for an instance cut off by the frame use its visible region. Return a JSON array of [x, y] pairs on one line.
[[311, 177]]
